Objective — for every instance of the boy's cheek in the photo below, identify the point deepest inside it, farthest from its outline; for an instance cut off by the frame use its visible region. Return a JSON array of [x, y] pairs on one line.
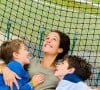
[[57, 73]]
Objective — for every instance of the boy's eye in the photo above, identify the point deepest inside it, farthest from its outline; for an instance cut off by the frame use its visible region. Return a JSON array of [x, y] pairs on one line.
[[62, 62], [26, 48]]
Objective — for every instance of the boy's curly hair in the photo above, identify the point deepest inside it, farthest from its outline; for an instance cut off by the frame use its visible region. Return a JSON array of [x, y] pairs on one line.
[[82, 67]]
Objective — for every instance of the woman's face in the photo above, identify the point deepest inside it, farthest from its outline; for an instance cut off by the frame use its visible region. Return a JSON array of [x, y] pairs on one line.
[[51, 43]]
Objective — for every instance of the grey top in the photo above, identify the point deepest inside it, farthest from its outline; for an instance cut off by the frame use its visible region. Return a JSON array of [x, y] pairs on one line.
[[50, 82]]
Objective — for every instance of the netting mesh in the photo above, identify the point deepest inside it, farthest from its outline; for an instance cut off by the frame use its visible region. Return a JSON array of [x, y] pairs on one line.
[[32, 19]]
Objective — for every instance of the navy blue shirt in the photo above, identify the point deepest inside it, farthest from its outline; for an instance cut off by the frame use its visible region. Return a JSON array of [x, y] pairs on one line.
[[72, 82]]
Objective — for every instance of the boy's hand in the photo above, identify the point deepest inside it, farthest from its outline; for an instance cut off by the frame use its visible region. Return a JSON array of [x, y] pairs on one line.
[[37, 79]]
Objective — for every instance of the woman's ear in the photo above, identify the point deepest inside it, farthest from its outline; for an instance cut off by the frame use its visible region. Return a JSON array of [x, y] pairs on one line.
[[60, 50]]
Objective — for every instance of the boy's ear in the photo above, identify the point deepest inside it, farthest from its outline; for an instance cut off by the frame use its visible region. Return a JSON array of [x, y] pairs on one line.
[[60, 50], [15, 54], [71, 70]]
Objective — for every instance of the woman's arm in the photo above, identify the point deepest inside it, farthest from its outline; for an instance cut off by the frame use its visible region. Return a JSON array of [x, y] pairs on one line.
[[2, 65], [9, 76]]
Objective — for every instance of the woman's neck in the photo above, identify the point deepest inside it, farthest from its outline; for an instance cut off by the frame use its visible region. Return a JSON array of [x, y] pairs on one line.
[[49, 62]]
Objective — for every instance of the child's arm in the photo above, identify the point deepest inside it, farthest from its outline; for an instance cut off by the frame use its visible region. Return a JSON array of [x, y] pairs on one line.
[[35, 81]]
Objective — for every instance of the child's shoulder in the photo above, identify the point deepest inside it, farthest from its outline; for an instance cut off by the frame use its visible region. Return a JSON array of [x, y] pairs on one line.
[[14, 64]]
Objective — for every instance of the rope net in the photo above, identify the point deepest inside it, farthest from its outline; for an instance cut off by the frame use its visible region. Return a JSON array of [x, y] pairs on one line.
[[31, 20]]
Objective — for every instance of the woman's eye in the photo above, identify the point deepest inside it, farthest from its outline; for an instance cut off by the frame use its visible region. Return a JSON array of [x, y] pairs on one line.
[[54, 39], [46, 38]]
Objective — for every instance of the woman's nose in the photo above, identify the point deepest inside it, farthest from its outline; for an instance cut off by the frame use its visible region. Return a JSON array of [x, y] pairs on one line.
[[49, 41]]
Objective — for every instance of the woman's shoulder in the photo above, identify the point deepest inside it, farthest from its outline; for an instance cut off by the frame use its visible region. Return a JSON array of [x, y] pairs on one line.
[[32, 66], [34, 60]]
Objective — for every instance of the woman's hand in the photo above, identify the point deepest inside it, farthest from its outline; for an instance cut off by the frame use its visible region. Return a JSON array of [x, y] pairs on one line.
[[10, 77]]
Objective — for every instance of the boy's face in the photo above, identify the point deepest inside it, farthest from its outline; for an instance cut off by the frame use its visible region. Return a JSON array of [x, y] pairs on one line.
[[62, 69], [23, 55]]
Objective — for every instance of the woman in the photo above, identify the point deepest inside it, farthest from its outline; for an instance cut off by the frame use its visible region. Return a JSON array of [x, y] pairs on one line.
[[55, 46]]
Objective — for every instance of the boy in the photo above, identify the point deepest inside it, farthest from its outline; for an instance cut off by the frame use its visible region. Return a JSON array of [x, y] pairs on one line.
[[73, 71], [15, 55]]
